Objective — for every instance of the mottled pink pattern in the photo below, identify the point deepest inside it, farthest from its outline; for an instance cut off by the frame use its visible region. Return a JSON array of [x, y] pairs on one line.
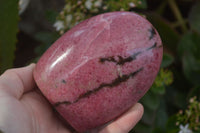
[[100, 68]]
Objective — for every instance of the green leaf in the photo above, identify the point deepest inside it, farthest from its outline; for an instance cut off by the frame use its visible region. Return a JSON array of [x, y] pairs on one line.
[[164, 77], [161, 115], [168, 35], [151, 100], [158, 90], [171, 125], [194, 91], [158, 130], [191, 67], [47, 39], [176, 98], [8, 30], [189, 50], [51, 16], [189, 44], [167, 60], [142, 128], [141, 4], [148, 116], [194, 17]]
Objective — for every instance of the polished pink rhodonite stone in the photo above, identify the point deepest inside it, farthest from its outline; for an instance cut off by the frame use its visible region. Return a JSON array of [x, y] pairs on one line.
[[100, 68]]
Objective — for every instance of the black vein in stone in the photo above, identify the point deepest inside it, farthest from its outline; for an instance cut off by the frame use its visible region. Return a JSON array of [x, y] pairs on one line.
[[115, 82], [152, 47], [64, 102], [152, 33], [64, 81], [120, 60], [120, 79]]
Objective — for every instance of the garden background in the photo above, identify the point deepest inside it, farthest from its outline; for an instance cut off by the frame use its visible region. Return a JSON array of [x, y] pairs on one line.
[[29, 27]]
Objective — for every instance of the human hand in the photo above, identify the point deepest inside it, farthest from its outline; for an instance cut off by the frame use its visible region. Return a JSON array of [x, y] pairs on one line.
[[24, 110]]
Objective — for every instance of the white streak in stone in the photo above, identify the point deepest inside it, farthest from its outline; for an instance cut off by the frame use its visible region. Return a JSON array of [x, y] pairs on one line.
[[85, 60], [61, 57], [106, 26], [54, 52], [108, 22], [125, 13], [126, 39], [144, 52], [77, 33], [119, 70]]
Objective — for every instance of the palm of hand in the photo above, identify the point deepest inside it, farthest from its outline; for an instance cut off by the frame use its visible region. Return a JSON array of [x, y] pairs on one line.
[[24, 110]]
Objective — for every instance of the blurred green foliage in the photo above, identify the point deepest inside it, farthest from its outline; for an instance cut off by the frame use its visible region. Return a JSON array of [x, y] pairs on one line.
[[194, 17], [8, 30], [190, 115], [188, 50], [178, 23]]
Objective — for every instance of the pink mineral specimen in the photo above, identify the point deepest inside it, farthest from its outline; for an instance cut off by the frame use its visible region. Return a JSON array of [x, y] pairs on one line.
[[100, 68]]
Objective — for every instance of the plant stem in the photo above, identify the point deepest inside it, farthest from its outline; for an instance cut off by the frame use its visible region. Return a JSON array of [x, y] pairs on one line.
[[177, 14], [162, 6], [176, 24]]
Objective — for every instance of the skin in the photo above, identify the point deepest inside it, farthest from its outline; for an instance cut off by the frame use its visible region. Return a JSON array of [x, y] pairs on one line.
[[25, 110]]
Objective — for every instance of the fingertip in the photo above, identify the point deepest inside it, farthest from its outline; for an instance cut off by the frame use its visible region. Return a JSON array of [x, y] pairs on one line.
[[138, 110], [32, 65], [138, 107], [126, 121]]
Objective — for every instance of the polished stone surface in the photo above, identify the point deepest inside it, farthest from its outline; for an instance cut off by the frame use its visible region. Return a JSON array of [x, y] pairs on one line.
[[100, 68]]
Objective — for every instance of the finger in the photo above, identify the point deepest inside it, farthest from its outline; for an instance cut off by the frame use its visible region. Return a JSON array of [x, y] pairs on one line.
[[45, 117], [17, 81], [125, 122]]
